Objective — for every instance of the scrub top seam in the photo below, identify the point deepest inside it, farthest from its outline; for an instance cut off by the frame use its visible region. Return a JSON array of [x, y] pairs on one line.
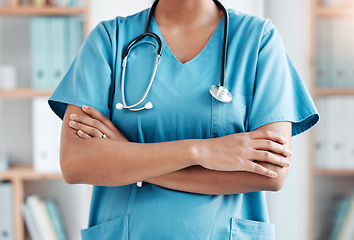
[[287, 117], [77, 102]]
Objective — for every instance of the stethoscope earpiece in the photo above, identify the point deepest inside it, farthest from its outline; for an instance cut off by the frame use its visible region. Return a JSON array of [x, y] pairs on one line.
[[147, 106], [119, 106]]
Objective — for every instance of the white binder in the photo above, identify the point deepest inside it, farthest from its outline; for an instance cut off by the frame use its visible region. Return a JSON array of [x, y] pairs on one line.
[[46, 137]]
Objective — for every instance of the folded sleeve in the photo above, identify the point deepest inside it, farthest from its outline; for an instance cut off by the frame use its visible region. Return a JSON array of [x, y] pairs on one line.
[[88, 80], [279, 93]]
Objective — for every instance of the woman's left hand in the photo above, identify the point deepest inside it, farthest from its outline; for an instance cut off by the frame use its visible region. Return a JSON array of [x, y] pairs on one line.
[[94, 125]]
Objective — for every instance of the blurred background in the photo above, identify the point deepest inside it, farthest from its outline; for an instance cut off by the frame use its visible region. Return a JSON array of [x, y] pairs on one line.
[[317, 200]]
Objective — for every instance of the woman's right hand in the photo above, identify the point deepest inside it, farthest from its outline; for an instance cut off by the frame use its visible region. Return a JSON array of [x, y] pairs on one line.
[[244, 152]]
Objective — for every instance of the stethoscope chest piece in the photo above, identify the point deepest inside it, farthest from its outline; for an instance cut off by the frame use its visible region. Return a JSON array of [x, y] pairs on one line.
[[221, 93]]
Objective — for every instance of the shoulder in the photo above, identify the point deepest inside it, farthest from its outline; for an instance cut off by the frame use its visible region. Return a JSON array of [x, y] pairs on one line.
[[120, 22], [111, 27], [249, 24]]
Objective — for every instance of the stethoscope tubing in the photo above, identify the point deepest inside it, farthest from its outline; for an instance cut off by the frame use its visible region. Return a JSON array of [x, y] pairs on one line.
[[215, 90], [131, 107], [224, 44], [138, 38]]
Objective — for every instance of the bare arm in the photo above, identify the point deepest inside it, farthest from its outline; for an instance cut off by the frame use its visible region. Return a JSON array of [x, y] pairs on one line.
[[107, 162], [204, 181], [125, 162]]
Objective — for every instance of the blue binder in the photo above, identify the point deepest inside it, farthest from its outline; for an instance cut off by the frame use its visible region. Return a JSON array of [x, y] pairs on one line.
[[76, 36], [58, 45], [6, 211], [40, 53], [55, 42]]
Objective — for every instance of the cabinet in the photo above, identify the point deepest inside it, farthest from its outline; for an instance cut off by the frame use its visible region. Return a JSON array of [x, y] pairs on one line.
[[16, 124], [331, 172]]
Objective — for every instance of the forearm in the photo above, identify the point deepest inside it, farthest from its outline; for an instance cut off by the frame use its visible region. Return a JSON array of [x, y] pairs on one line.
[[113, 162], [199, 180], [107, 162]]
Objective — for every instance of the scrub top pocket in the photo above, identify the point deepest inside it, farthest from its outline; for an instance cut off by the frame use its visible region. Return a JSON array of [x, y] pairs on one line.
[[230, 118], [251, 230], [111, 230]]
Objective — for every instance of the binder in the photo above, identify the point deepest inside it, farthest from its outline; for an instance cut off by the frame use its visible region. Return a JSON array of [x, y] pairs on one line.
[[46, 137], [347, 231], [76, 36], [58, 45], [320, 134], [39, 222], [335, 130], [340, 55], [47, 223], [6, 211], [340, 217], [30, 222], [56, 219], [322, 59], [330, 55], [40, 53], [349, 137], [55, 42]]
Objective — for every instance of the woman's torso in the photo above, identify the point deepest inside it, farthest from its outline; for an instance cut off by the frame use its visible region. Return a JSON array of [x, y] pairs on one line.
[[183, 109]]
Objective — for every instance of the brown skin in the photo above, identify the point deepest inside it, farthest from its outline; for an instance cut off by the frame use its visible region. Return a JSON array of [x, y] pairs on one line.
[[208, 166], [238, 163]]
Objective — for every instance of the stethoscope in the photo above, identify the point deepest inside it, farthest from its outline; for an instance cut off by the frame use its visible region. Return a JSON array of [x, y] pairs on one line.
[[219, 92]]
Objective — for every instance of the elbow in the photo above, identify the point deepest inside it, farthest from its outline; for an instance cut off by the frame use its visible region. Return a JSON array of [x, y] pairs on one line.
[[69, 171], [276, 185]]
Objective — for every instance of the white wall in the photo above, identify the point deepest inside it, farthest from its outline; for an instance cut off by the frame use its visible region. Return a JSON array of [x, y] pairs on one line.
[[108, 9], [255, 7], [288, 208]]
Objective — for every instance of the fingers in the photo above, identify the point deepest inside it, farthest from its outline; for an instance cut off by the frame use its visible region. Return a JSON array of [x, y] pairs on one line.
[[259, 169], [266, 156], [269, 135], [98, 115], [85, 123], [83, 135], [86, 129], [270, 146]]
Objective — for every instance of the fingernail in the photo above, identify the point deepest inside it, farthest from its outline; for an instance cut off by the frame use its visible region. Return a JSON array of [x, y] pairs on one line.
[[80, 132], [287, 163], [73, 116], [71, 123], [285, 140], [84, 107], [273, 174], [289, 153]]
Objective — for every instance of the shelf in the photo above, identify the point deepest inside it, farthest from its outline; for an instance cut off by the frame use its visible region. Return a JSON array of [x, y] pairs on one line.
[[26, 173], [24, 93], [41, 11], [329, 91], [335, 11], [333, 172]]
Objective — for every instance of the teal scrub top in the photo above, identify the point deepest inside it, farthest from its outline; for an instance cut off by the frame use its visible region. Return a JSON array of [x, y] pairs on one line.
[[266, 89]]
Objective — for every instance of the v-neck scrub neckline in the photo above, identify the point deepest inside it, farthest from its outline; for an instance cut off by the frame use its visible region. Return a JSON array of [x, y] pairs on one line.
[[203, 69], [211, 45]]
